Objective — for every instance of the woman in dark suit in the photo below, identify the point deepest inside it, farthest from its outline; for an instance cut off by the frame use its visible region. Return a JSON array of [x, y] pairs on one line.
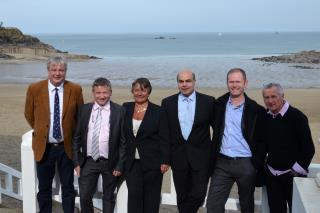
[[146, 161]]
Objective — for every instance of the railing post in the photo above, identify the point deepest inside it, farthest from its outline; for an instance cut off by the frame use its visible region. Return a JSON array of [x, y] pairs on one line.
[[122, 199], [29, 178], [8, 182]]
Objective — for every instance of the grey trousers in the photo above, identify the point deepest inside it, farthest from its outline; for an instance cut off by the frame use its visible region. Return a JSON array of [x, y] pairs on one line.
[[88, 180], [226, 172]]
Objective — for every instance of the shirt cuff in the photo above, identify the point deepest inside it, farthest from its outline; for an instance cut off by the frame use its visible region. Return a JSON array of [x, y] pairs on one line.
[[296, 167]]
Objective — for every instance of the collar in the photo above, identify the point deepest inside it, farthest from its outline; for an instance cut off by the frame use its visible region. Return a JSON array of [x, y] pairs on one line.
[[235, 107], [52, 87], [283, 110], [105, 107], [191, 97]]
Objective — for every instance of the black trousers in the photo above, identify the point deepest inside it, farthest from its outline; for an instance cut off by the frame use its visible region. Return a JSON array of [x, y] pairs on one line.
[[88, 180], [226, 172], [279, 190], [144, 189], [191, 187], [55, 155]]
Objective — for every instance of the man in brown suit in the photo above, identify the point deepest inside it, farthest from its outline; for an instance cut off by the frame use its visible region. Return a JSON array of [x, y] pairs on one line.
[[50, 109]]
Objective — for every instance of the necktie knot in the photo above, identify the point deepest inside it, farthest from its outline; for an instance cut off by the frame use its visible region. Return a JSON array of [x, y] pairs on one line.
[[186, 99]]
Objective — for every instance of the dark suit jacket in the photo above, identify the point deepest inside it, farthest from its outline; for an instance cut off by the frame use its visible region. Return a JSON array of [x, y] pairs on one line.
[[117, 143], [248, 123], [149, 140], [37, 113], [197, 150]]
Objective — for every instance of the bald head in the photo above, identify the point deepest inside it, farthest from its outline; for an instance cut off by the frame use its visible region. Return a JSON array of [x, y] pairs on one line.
[[186, 82], [186, 72]]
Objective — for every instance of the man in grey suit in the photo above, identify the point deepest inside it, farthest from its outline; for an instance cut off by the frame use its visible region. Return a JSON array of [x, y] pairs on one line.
[[99, 146]]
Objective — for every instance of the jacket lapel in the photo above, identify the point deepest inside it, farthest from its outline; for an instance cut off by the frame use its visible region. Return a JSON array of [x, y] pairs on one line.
[[87, 116], [196, 111], [130, 111], [66, 97], [176, 112], [45, 97], [145, 119], [112, 121]]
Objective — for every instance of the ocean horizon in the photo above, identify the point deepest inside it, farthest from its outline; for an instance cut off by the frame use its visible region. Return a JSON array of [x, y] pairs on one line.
[[159, 56]]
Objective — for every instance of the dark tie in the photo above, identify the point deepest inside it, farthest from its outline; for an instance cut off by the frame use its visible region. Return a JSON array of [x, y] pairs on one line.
[[56, 117]]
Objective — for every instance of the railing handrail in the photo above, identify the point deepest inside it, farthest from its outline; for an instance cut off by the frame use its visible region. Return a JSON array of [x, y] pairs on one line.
[[10, 170], [9, 185]]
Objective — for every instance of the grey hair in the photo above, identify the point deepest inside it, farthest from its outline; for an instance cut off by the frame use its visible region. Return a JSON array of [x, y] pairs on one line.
[[101, 82], [280, 90], [193, 76], [57, 60]]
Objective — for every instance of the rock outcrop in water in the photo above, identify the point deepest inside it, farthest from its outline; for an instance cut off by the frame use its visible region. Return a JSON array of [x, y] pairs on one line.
[[311, 57], [15, 45]]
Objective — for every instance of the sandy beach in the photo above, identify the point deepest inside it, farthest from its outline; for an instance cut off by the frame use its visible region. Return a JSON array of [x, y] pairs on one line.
[[13, 124]]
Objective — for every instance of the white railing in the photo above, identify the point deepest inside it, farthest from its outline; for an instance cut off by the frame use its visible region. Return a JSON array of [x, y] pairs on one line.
[[12, 182], [29, 185], [306, 192]]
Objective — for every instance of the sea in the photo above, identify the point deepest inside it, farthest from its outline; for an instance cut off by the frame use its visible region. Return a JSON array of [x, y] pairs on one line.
[[160, 56]]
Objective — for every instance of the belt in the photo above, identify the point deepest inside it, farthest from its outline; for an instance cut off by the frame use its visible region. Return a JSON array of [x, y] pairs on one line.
[[229, 158], [100, 159], [55, 144]]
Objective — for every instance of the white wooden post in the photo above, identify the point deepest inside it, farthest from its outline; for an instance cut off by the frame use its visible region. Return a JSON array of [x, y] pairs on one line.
[[122, 199], [306, 192], [29, 190], [170, 198]]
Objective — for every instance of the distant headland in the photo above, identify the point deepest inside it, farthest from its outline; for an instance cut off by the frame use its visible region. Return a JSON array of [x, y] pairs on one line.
[[15, 45], [309, 57]]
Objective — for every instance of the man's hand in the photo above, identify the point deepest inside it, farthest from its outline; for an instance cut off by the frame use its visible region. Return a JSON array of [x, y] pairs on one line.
[[77, 170], [116, 173], [164, 168], [294, 173]]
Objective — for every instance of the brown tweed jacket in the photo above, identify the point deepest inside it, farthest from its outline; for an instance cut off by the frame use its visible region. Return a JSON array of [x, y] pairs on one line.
[[37, 114]]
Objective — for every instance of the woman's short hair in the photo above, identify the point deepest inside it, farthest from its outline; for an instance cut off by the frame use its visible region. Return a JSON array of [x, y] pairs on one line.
[[144, 84]]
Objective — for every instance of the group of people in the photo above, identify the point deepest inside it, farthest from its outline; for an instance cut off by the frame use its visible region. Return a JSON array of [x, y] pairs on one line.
[[249, 145]]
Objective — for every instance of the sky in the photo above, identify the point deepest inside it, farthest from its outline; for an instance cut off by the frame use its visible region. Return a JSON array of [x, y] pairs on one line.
[[148, 16]]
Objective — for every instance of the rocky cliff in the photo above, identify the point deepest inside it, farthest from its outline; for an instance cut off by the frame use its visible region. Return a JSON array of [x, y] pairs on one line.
[[15, 45]]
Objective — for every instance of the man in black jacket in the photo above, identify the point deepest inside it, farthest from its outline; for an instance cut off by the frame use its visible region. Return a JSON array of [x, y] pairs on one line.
[[188, 116], [284, 131], [234, 146]]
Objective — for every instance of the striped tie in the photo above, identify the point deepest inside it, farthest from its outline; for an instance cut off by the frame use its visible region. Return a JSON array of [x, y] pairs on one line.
[[95, 136]]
